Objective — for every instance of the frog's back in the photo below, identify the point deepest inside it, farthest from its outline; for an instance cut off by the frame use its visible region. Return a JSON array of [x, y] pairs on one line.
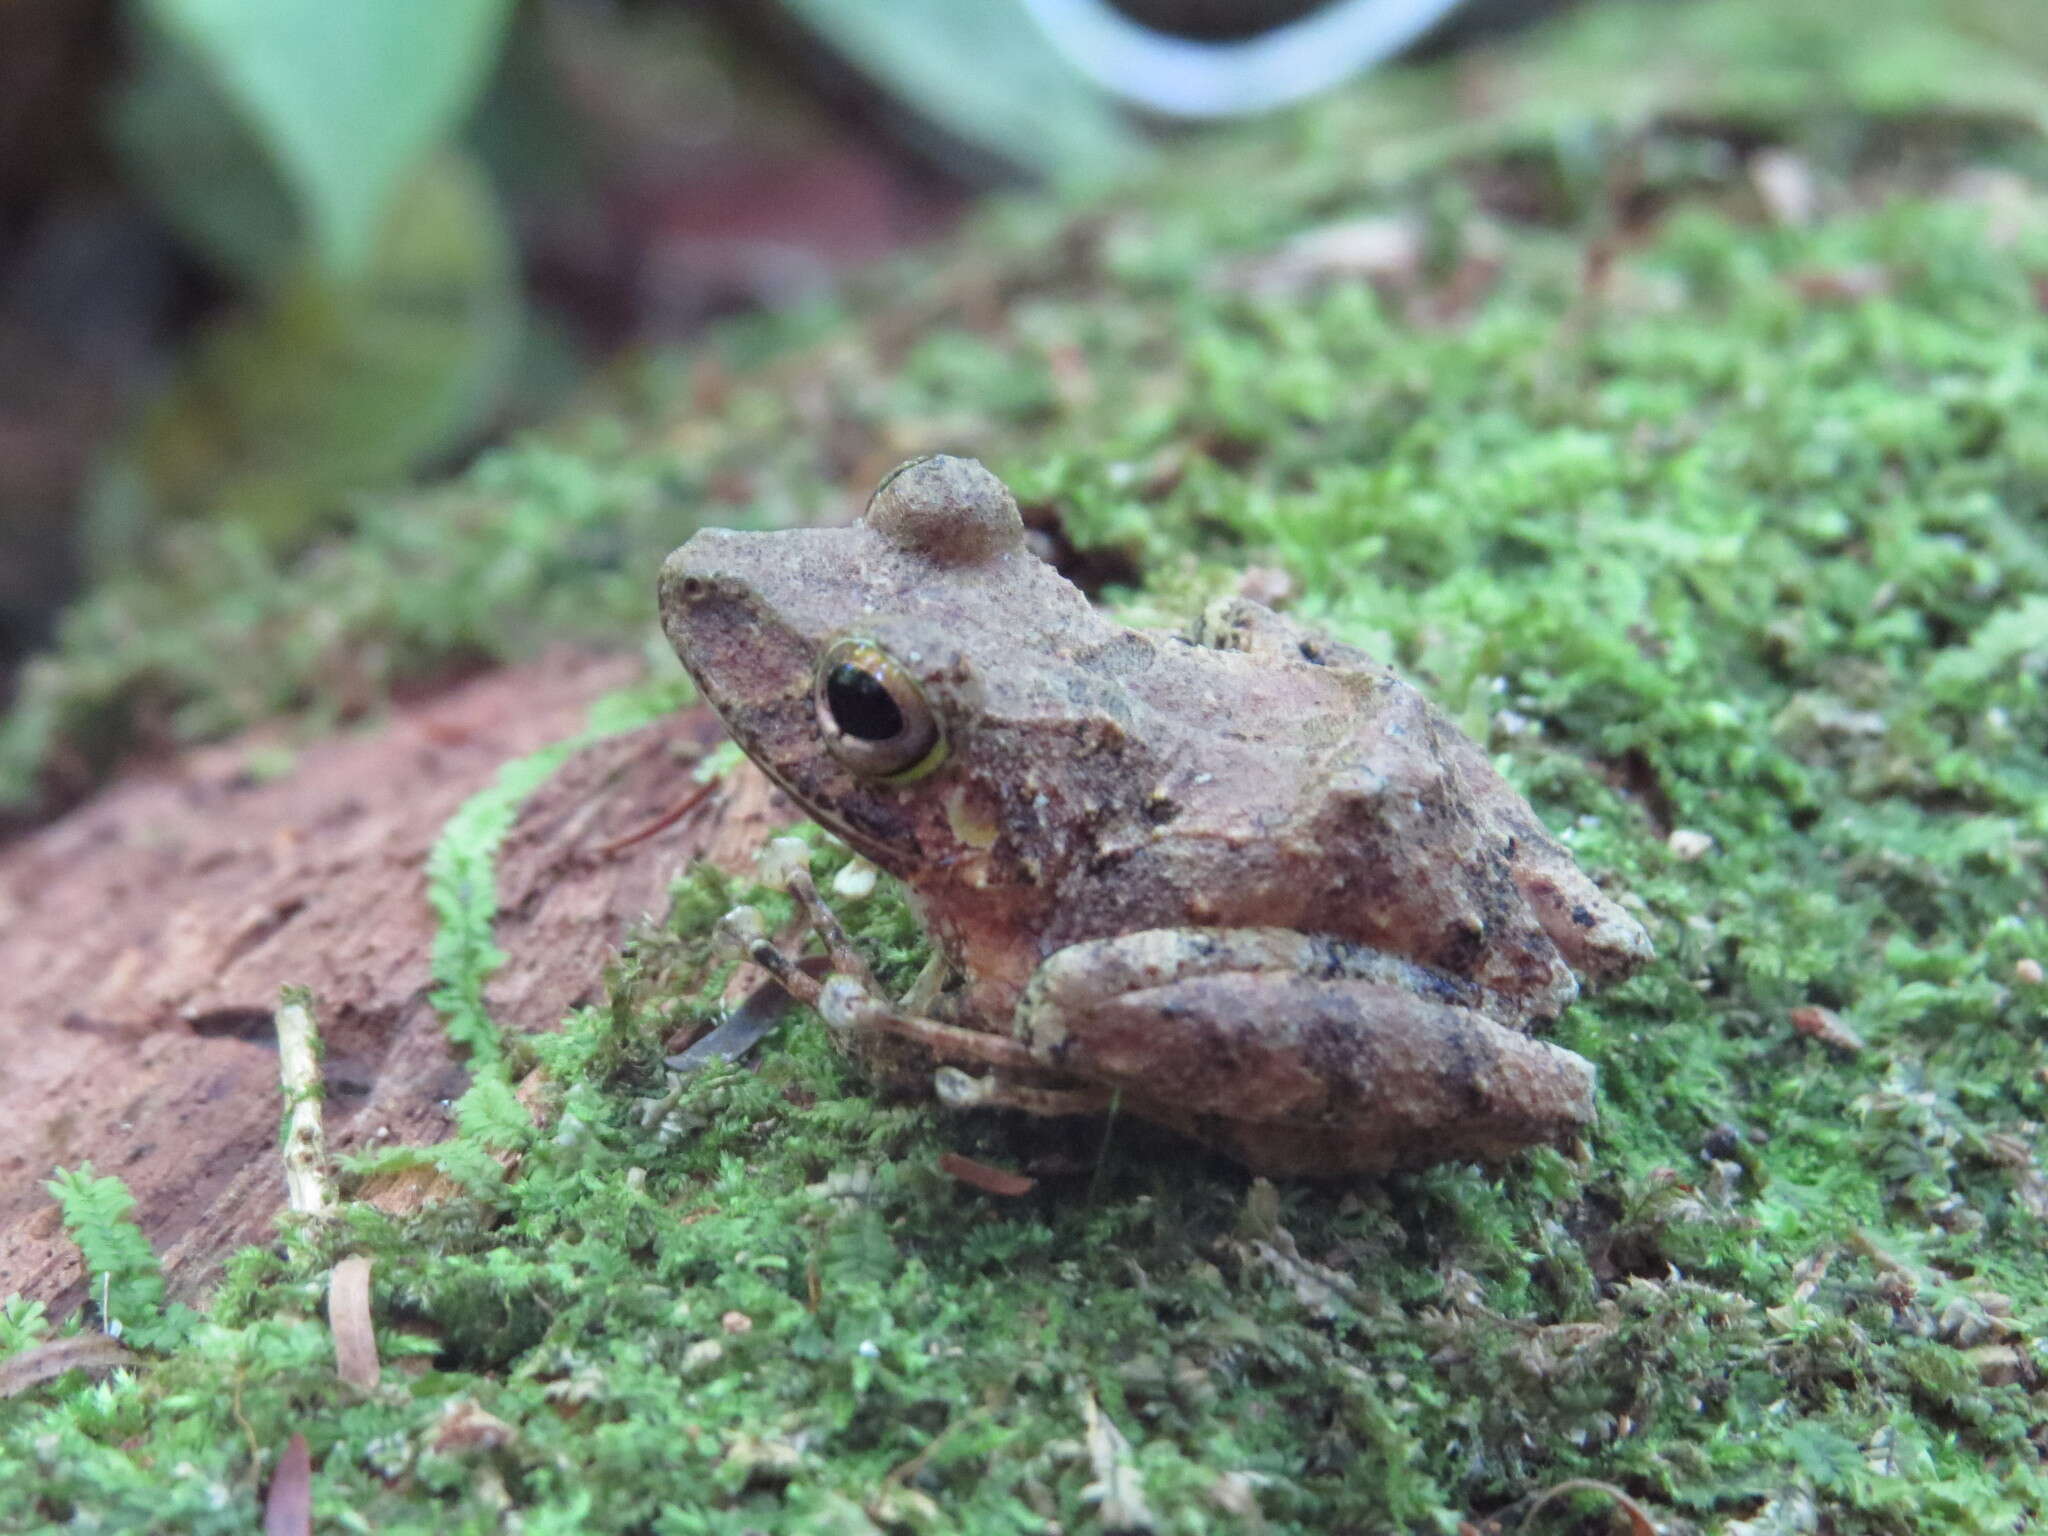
[[1298, 783]]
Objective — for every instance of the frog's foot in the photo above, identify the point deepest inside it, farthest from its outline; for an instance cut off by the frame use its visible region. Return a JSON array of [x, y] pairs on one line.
[[959, 1090], [850, 1008]]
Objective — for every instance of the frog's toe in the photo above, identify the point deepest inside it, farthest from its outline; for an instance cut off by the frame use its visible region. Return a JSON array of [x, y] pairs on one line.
[[1600, 940]]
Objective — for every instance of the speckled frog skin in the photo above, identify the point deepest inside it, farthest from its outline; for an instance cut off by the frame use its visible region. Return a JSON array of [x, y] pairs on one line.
[[1245, 879]]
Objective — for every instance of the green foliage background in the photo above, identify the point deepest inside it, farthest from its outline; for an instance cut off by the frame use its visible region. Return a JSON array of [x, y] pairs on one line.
[[1706, 522], [318, 159]]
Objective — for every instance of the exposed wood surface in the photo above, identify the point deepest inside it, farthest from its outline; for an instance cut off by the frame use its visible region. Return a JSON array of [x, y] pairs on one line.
[[145, 936]]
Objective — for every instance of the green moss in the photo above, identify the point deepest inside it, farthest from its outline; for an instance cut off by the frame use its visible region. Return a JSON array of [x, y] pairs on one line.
[[1736, 531]]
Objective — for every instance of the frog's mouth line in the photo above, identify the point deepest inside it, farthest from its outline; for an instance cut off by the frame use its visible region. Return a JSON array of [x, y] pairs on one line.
[[866, 844], [860, 842]]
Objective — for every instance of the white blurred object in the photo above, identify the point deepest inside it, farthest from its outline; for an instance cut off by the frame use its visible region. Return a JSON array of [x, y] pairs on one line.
[[1182, 77]]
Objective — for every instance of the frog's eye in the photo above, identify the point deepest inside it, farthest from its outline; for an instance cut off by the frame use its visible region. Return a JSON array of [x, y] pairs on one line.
[[873, 715]]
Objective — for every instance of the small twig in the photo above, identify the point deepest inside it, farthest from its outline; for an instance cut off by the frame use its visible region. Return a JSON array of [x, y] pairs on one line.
[[1640, 1523], [305, 1138], [1118, 1492], [661, 823]]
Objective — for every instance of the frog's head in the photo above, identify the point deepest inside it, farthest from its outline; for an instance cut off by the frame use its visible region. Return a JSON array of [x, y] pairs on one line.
[[892, 675]]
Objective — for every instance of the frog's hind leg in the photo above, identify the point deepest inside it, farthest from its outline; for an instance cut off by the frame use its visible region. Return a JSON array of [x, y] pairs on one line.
[[1297, 1054]]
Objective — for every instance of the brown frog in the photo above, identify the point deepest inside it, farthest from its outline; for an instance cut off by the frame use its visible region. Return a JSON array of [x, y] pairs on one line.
[[1243, 882]]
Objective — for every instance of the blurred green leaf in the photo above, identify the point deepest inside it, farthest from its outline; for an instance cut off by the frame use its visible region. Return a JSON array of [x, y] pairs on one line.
[[345, 97], [983, 71], [330, 387], [198, 159]]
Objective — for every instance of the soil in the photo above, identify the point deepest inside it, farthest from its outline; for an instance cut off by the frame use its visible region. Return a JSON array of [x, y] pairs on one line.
[[146, 936]]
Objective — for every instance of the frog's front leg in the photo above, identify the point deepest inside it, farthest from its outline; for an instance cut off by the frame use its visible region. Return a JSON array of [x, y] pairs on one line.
[[848, 1000], [1297, 1053], [851, 1002]]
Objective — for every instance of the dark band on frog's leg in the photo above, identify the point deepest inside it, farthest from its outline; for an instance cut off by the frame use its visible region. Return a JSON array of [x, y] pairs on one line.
[[792, 978]]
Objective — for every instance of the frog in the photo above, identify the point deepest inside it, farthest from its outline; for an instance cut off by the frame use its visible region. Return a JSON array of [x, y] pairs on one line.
[[1241, 880]]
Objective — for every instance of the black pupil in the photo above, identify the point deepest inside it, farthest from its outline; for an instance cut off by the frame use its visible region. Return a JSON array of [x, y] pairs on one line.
[[860, 705]]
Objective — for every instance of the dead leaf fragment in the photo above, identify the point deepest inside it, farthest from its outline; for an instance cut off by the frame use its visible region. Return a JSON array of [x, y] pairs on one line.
[[1687, 845], [348, 1318], [764, 1460], [1322, 1290], [1237, 1495], [2016, 1154], [897, 1508], [465, 1426], [984, 1177], [288, 1509], [1826, 1026]]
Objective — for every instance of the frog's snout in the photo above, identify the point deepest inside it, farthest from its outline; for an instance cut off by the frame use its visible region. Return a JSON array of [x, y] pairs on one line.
[[688, 573], [698, 590], [713, 566]]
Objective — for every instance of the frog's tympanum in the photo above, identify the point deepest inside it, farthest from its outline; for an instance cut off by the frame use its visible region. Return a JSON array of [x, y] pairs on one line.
[[1244, 882]]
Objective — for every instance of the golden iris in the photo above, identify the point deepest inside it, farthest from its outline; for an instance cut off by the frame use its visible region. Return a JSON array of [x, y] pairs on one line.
[[873, 715]]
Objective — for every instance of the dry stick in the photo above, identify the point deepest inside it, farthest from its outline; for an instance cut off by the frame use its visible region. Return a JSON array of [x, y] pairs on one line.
[[93, 1352], [305, 1139], [905, 1470], [305, 1178], [661, 823]]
